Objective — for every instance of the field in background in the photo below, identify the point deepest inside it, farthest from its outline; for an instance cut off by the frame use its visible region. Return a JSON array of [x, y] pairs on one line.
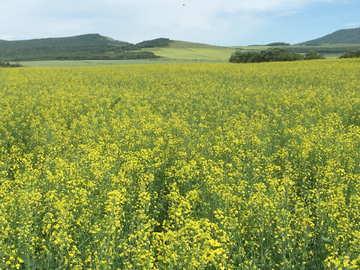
[[188, 52], [198, 51], [81, 63], [181, 166], [218, 54]]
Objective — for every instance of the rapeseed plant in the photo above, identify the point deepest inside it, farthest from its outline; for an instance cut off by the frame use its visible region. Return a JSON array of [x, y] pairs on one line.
[[181, 166]]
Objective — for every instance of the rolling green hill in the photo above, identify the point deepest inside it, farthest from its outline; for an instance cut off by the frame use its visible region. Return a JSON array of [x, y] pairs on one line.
[[346, 36], [183, 50], [83, 47], [158, 42], [186, 44], [82, 40]]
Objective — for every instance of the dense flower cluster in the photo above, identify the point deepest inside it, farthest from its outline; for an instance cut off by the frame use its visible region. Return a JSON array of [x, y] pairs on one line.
[[181, 166]]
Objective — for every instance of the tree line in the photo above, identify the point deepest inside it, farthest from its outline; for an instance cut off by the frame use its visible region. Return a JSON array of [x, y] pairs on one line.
[[75, 52], [271, 55], [86, 47], [7, 64], [351, 54]]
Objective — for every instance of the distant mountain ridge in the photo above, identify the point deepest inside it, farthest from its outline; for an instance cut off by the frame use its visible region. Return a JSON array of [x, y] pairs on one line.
[[80, 40], [346, 36]]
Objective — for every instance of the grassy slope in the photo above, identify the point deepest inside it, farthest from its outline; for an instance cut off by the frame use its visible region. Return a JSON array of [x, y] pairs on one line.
[[222, 54], [198, 51], [71, 63], [193, 51]]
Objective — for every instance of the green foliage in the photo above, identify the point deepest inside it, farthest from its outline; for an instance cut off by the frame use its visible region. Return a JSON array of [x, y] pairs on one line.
[[351, 54], [278, 44], [270, 55], [324, 48], [7, 64], [313, 55], [75, 52], [159, 42]]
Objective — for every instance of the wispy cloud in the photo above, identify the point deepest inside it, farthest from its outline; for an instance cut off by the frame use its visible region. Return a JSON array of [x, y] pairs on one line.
[[210, 21], [352, 24]]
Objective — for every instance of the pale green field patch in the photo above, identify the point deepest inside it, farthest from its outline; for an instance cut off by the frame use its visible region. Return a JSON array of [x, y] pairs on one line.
[[211, 53]]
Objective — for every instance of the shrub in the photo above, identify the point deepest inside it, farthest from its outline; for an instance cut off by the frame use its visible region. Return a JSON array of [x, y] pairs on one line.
[[7, 64], [313, 55], [278, 44], [270, 55], [351, 54]]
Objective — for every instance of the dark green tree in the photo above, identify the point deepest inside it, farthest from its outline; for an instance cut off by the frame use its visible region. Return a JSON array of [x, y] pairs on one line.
[[7, 64], [278, 44], [313, 55], [270, 55], [351, 54]]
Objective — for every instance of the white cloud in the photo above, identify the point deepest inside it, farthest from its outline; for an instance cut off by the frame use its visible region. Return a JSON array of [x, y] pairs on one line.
[[352, 24]]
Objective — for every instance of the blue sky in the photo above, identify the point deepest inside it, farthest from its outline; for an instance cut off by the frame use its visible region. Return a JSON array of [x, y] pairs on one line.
[[216, 22]]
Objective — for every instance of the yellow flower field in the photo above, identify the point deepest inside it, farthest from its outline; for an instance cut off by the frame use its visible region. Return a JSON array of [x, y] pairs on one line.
[[181, 166]]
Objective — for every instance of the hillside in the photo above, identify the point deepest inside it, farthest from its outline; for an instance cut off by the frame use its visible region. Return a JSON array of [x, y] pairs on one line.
[[345, 36], [97, 47], [186, 44], [81, 40], [83, 47], [158, 42]]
